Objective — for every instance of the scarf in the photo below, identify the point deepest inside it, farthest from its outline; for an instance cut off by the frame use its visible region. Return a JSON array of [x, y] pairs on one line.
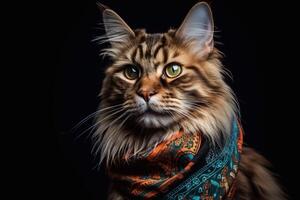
[[185, 167]]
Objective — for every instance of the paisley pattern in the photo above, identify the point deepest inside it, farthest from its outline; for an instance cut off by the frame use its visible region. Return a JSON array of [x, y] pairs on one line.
[[171, 171], [216, 178]]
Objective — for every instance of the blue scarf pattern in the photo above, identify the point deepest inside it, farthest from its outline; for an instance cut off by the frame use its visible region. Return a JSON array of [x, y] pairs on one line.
[[216, 178]]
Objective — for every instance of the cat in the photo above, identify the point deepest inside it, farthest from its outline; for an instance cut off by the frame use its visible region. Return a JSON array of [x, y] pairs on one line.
[[164, 96]]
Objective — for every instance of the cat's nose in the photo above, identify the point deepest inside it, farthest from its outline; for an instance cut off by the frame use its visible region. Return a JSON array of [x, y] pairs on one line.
[[146, 94]]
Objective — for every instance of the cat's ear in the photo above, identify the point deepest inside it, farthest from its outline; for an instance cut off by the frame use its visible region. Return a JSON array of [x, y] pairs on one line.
[[116, 30], [197, 29]]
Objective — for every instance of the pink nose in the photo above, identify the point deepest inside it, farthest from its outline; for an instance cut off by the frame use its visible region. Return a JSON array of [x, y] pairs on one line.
[[146, 94]]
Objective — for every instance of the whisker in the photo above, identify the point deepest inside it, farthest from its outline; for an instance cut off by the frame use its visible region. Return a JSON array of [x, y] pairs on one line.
[[92, 115], [98, 122], [119, 128], [99, 139]]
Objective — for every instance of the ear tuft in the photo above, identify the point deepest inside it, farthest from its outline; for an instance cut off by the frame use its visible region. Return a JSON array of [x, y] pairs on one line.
[[102, 7]]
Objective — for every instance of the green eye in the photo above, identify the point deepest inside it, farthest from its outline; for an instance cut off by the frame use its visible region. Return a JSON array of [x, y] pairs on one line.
[[173, 70], [131, 72]]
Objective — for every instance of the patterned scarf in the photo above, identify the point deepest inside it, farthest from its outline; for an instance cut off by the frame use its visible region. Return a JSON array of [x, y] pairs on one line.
[[183, 167]]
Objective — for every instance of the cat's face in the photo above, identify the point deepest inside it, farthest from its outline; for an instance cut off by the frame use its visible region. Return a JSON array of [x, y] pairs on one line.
[[161, 79], [158, 81]]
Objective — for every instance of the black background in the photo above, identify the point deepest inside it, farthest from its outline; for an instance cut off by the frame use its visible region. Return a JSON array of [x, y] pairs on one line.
[[69, 73]]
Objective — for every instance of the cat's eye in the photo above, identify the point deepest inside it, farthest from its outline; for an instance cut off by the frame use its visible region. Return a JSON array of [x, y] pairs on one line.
[[131, 72], [173, 70]]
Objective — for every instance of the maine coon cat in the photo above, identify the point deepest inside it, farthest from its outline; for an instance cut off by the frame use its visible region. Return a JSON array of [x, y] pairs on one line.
[[166, 115]]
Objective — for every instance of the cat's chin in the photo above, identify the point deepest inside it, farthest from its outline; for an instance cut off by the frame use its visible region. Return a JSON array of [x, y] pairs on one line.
[[154, 120]]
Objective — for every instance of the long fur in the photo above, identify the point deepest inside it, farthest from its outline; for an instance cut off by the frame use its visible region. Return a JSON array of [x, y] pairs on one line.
[[255, 180]]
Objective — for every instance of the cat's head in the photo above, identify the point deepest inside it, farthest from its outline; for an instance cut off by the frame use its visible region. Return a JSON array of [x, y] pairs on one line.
[[164, 81]]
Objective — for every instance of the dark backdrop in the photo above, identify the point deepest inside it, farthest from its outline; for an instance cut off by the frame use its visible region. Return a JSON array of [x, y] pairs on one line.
[[244, 32]]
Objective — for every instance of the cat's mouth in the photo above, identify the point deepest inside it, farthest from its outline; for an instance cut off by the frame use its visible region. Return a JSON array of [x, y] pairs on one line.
[[151, 118], [149, 111]]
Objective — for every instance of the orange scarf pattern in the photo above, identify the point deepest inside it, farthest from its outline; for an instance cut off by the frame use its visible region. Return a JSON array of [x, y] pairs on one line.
[[167, 165]]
